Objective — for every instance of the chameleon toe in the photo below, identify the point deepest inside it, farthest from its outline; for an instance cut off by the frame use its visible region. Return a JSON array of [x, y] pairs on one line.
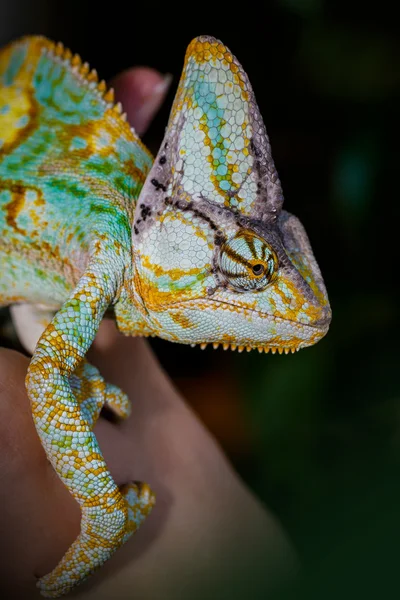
[[117, 401]]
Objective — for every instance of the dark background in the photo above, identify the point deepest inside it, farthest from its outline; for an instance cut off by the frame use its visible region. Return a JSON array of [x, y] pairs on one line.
[[316, 434]]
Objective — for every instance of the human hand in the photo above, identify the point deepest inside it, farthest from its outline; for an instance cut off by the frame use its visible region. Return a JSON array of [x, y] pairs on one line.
[[207, 536]]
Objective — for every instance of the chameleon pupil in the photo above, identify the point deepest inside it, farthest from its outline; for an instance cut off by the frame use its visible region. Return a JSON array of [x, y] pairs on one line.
[[258, 269]]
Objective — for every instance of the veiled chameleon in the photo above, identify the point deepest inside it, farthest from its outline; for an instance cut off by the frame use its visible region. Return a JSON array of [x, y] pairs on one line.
[[194, 248]]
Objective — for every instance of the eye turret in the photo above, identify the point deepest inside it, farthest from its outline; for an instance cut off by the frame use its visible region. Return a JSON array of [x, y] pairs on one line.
[[247, 262]]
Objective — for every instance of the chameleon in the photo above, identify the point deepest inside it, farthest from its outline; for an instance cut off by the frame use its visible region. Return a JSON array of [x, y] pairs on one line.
[[193, 247]]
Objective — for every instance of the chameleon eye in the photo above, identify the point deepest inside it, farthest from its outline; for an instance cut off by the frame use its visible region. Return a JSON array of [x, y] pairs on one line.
[[247, 262]]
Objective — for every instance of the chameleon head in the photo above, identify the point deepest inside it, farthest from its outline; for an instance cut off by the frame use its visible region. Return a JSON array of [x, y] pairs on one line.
[[216, 259]]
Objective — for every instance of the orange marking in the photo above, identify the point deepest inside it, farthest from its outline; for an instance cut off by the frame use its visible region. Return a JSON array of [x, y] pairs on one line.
[[181, 320], [14, 207], [173, 274]]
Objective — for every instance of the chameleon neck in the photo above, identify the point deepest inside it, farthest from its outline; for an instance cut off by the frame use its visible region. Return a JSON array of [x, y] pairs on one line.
[[130, 313]]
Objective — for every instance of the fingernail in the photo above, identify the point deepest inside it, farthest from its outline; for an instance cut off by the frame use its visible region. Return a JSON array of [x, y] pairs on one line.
[[151, 102], [162, 86]]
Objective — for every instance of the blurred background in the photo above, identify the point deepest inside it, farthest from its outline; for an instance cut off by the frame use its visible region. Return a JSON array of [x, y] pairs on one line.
[[316, 435]]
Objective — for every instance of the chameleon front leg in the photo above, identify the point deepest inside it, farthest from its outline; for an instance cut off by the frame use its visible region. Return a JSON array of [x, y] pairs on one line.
[[88, 386], [64, 423]]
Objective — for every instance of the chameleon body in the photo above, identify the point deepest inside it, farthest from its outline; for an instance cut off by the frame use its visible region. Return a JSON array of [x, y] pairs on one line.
[[194, 248]]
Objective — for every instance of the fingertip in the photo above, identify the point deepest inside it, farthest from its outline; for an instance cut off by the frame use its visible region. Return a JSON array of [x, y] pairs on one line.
[[141, 91]]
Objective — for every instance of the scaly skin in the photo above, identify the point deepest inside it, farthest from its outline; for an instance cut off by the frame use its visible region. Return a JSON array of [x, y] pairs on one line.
[[195, 249]]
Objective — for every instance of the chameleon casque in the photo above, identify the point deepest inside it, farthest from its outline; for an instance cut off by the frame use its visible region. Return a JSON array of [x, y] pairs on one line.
[[193, 247]]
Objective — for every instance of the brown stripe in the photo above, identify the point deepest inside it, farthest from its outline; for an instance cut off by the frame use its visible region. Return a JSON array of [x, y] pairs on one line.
[[264, 252], [233, 275], [250, 243], [236, 257]]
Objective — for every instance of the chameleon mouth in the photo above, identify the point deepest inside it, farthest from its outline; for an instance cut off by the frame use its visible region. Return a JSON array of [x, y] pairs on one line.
[[261, 349], [240, 347]]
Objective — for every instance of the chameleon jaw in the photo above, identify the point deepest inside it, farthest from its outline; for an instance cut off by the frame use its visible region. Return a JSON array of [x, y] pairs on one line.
[[280, 346], [184, 329]]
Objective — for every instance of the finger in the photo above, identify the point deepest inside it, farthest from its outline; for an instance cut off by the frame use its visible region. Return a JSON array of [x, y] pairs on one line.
[[141, 91], [20, 446], [32, 535]]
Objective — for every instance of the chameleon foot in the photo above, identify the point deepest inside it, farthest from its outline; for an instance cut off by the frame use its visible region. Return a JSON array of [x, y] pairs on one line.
[[104, 528], [92, 392]]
